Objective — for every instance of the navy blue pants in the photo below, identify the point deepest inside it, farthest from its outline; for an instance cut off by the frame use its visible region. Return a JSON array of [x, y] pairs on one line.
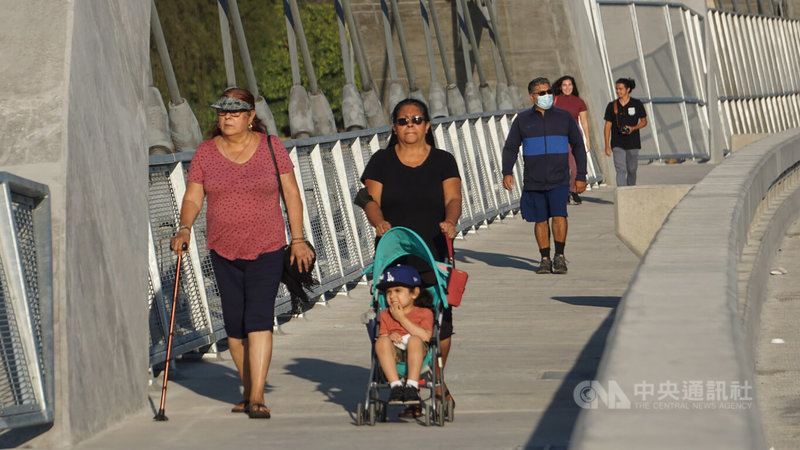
[[247, 290]]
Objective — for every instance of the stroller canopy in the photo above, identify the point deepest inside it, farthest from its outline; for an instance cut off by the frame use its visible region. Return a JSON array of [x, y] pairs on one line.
[[399, 242]]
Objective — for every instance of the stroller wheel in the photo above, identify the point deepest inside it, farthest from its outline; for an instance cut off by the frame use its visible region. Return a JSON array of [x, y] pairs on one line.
[[440, 413], [381, 412], [360, 414], [372, 414], [450, 410], [428, 415]]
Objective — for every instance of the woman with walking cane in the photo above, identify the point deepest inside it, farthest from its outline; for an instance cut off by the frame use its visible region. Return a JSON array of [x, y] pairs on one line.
[[235, 170]]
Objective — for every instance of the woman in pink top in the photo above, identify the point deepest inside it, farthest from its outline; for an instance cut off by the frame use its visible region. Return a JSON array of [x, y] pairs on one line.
[[566, 97], [245, 231]]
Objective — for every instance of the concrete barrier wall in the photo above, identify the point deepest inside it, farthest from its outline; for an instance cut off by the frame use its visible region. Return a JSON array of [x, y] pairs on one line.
[[679, 321], [72, 118]]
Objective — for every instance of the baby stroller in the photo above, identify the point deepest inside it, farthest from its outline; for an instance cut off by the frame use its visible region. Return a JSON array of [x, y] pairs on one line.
[[396, 243]]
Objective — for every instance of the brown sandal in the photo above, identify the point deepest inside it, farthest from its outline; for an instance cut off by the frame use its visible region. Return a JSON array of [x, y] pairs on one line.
[[245, 407], [411, 412], [259, 411], [447, 397]]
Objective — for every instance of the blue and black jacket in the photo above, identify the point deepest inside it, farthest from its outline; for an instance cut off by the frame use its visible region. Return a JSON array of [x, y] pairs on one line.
[[545, 140]]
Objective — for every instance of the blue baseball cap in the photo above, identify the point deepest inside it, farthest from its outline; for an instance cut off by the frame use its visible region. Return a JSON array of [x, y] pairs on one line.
[[399, 275]]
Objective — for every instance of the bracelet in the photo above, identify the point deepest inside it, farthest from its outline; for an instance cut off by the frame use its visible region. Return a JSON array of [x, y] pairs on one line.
[[301, 238], [184, 227], [297, 242]]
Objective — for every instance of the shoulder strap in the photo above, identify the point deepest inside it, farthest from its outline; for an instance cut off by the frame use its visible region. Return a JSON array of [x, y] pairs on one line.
[[450, 253], [275, 162], [616, 115]]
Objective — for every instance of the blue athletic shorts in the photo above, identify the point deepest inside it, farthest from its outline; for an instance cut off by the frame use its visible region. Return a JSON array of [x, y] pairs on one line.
[[538, 206], [247, 291]]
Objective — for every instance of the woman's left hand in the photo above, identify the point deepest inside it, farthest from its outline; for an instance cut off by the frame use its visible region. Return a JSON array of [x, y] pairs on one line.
[[448, 228], [302, 253]]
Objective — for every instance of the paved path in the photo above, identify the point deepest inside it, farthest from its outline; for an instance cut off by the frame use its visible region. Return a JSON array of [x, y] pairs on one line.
[[523, 341], [777, 365]]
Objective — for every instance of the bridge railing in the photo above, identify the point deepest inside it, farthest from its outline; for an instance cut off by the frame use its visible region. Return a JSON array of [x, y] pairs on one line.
[[26, 304], [328, 171], [757, 66]]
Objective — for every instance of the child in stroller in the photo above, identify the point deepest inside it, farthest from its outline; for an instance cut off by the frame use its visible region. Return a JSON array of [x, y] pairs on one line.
[[420, 323], [406, 327]]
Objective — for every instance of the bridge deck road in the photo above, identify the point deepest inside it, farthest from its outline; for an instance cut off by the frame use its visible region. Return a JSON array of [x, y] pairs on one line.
[[523, 342]]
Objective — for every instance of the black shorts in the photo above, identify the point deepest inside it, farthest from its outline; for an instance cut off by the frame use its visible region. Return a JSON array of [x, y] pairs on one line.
[[447, 324], [248, 290]]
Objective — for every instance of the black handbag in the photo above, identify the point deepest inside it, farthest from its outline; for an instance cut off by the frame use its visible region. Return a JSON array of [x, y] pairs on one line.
[[296, 281]]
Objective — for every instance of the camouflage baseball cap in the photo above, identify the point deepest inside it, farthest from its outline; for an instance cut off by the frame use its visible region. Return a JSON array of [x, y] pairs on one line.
[[231, 104]]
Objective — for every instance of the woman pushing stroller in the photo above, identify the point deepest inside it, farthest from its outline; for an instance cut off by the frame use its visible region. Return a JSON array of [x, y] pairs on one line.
[[406, 327], [413, 184]]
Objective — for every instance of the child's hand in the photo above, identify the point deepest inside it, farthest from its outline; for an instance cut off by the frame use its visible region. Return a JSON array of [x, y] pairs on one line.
[[396, 310], [396, 338]]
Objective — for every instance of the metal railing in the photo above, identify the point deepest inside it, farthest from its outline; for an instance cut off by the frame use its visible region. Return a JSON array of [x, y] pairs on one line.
[[328, 171], [758, 72], [26, 304], [661, 46]]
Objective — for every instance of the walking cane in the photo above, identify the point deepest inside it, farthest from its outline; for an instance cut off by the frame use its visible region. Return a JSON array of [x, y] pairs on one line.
[[160, 417]]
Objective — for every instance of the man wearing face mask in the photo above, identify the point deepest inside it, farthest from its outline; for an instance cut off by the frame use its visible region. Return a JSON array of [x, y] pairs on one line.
[[546, 134]]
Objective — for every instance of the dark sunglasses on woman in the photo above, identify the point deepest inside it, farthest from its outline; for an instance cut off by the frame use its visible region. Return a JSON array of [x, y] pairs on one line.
[[403, 121]]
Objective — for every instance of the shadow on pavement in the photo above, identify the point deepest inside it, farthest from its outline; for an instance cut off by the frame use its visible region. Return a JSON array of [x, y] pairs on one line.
[[195, 376], [605, 302], [17, 437], [342, 384], [599, 201], [497, 259], [558, 420]]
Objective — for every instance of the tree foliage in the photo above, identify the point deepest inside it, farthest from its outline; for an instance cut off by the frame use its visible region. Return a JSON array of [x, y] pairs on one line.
[[192, 32]]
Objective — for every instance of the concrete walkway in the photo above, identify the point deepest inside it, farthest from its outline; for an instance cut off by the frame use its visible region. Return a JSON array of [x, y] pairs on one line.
[[523, 342], [777, 365]]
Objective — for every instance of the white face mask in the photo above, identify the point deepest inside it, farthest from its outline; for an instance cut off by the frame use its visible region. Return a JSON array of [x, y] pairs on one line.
[[544, 101]]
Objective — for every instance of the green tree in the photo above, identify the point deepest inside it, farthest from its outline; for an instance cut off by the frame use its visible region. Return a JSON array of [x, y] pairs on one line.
[[191, 29]]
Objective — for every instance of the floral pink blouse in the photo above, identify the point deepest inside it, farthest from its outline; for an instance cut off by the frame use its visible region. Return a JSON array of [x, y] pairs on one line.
[[243, 215]]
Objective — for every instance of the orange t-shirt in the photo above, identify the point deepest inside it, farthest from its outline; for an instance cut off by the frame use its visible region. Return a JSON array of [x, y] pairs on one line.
[[418, 316]]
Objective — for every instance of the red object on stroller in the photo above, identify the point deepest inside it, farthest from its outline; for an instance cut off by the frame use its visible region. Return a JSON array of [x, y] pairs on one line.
[[456, 279]]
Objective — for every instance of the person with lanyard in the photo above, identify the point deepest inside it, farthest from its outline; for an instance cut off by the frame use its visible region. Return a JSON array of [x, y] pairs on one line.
[[624, 117], [413, 184], [245, 232], [547, 135]]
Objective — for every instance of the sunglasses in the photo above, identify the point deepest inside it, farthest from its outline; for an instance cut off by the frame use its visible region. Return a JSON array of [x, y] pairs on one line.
[[403, 121], [549, 91], [221, 113]]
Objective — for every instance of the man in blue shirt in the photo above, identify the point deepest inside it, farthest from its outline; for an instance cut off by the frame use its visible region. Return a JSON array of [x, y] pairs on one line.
[[547, 134]]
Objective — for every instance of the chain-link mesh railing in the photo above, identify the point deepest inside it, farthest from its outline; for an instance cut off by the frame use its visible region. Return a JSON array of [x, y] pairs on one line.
[[26, 304]]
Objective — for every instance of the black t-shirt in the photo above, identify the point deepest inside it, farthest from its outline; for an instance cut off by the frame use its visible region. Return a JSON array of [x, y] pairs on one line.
[[627, 115], [413, 197]]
